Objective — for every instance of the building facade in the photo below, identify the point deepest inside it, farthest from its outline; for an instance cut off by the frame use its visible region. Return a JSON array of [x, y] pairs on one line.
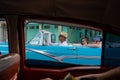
[[75, 34]]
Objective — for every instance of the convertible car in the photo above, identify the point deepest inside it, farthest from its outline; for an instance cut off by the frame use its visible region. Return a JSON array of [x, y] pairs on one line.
[[72, 54]]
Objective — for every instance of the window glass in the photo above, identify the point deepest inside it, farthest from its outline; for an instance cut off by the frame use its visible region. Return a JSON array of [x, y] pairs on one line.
[[112, 50], [64, 46], [3, 37]]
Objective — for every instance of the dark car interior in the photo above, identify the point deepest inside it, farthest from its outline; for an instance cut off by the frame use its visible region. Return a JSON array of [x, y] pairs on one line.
[[99, 14]]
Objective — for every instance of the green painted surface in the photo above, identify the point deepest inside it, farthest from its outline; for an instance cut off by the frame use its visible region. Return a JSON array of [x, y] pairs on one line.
[[52, 28], [31, 31]]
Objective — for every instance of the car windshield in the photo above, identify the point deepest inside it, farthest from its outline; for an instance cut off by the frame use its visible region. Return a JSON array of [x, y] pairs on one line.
[[36, 40]]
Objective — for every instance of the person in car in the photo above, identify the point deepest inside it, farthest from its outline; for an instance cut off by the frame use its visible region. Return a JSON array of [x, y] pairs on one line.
[[95, 43], [62, 39], [84, 41]]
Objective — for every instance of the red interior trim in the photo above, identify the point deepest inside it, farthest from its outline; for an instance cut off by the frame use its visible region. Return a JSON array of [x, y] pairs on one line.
[[37, 73]]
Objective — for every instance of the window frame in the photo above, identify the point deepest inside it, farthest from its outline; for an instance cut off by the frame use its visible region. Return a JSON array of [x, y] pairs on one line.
[[93, 26]]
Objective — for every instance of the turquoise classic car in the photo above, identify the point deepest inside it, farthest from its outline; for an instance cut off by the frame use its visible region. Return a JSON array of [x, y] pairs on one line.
[[38, 49]]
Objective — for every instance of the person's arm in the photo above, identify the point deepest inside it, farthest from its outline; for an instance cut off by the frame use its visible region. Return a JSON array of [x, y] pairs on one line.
[[46, 79], [113, 74], [93, 45]]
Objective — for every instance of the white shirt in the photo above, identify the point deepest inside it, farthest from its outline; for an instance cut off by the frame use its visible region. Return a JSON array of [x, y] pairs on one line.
[[63, 43], [59, 44]]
